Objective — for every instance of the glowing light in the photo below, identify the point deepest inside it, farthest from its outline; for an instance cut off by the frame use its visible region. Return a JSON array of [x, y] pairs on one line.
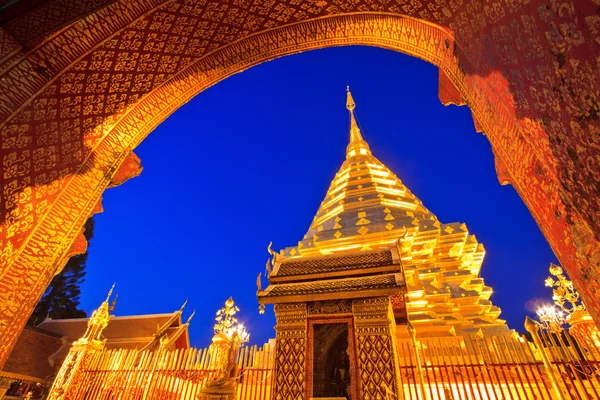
[[376, 166], [242, 334], [378, 172], [384, 181], [341, 178], [392, 191], [333, 200], [227, 323], [338, 188], [396, 203], [551, 318], [328, 215]]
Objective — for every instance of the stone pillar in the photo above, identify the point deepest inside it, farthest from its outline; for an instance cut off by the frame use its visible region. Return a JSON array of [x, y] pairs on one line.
[[289, 381], [378, 371]]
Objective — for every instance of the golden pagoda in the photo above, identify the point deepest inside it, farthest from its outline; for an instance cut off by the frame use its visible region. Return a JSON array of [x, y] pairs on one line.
[[375, 259]]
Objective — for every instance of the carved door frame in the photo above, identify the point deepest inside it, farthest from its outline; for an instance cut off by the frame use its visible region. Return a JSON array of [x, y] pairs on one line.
[[349, 321]]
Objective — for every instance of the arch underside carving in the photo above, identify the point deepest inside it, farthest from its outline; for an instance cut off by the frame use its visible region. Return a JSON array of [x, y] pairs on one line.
[[73, 109]]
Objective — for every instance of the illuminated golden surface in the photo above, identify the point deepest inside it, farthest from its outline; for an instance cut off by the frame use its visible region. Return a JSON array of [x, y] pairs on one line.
[[367, 207], [374, 253]]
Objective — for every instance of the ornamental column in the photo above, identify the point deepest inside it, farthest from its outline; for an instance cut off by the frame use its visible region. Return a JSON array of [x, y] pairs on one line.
[[290, 351], [375, 333]]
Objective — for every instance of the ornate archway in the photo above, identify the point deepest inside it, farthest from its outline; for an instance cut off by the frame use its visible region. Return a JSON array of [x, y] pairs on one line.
[[81, 85]]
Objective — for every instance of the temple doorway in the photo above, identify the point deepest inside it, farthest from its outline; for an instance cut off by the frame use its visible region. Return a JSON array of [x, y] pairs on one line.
[[331, 362]]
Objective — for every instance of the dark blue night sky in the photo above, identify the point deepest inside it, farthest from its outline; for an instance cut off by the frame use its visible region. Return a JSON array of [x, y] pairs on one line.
[[249, 161]]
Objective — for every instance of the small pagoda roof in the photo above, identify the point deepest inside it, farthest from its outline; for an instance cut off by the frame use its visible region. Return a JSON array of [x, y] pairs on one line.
[[334, 289], [122, 332], [342, 265]]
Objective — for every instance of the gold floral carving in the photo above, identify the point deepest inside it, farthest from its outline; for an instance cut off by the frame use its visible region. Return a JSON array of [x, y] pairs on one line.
[[290, 352], [330, 307], [376, 348]]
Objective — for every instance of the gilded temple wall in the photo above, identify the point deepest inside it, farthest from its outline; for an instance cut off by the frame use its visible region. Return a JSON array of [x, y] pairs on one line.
[[83, 82]]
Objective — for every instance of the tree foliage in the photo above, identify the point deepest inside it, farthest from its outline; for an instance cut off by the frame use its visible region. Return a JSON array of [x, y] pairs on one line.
[[61, 298]]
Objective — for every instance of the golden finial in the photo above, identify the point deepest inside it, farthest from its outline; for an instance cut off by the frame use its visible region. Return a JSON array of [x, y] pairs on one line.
[[350, 105], [183, 306], [357, 145], [190, 317], [110, 291], [258, 284], [271, 251]]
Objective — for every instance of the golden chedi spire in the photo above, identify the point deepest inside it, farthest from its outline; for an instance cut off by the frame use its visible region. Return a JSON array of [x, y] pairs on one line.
[[367, 208], [365, 201], [357, 143]]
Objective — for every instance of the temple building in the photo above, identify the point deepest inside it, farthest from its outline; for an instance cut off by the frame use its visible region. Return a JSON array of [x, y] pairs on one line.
[[374, 249], [41, 350]]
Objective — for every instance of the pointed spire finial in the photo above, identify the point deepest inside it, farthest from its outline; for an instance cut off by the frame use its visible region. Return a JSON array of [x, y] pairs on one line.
[[190, 317], [183, 306], [350, 105], [110, 292], [357, 144]]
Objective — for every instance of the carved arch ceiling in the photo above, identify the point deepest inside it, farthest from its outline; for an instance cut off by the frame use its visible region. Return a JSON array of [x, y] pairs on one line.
[[83, 82]]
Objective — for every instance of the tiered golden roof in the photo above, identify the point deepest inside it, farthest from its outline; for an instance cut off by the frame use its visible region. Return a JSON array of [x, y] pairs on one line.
[[365, 203], [367, 207]]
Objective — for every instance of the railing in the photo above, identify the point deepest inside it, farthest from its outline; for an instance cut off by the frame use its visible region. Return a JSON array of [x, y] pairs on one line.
[[499, 367], [556, 365], [127, 374], [471, 367], [576, 364], [256, 373]]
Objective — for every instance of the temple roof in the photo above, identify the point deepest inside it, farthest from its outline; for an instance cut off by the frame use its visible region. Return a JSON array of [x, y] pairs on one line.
[[334, 289], [122, 332], [31, 354], [131, 327], [40, 351], [307, 268]]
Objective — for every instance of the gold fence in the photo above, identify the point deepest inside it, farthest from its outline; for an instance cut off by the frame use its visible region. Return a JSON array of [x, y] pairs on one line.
[[555, 366], [127, 374]]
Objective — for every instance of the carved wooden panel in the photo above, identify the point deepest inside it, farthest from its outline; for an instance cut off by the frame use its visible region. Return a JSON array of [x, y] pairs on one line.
[[290, 352], [376, 348]]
